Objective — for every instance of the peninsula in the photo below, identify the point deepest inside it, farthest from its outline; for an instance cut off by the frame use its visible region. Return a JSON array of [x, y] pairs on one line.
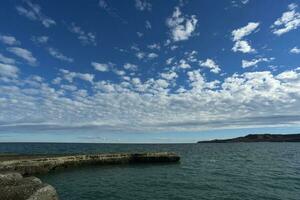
[[259, 138]]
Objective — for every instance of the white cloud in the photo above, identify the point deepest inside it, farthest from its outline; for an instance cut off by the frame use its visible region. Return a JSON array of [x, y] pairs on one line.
[[211, 64], [254, 62], [151, 105], [9, 40], [40, 39], [69, 76], [162, 83], [288, 75], [169, 61], [154, 46], [119, 72], [142, 5], [86, 38], [33, 12], [140, 55], [181, 27], [169, 75], [130, 66], [183, 64], [290, 20], [69, 87], [295, 50], [240, 33], [56, 54], [245, 1], [139, 34], [152, 55], [6, 60], [7, 70], [110, 11], [148, 24], [23, 53], [242, 46], [102, 67]]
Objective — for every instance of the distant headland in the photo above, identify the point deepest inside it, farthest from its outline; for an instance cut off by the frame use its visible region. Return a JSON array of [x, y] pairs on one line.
[[259, 138]]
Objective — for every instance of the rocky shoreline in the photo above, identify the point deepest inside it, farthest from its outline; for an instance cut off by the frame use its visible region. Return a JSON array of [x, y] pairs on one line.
[[13, 186]]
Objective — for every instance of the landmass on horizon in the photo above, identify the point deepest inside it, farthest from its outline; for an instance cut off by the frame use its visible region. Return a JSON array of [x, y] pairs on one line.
[[259, 138]]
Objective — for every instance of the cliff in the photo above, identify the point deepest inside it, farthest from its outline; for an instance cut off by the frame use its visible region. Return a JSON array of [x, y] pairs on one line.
[[259, 138]]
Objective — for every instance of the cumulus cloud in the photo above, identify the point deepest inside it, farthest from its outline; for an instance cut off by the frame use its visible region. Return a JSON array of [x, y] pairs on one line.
[[33, 12], [240, 33], [154, 46], [242, 46], [130, 66], [295, 50], [58, 55], [254, 62], [69, 76], [290, 20], [143, 5], [40, 39], [183, 64], [102, 67], [86, 38], [288, 75], [151, 106], [148, 24], [24, 54], [181, 27], [211, 64], [6, 60], [7, 70], [152, 55], [9, 40], [169, 75], [238, 36]]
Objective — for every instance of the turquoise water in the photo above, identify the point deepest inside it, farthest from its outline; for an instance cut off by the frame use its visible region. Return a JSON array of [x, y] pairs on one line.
[[266, 171]]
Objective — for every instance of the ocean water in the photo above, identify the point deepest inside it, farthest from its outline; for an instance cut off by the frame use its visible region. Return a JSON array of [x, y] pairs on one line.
[[245, 171]]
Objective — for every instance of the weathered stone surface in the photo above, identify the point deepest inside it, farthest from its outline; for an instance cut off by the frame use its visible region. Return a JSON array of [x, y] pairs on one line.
[[45, 164], [45, 193], [14, 187]]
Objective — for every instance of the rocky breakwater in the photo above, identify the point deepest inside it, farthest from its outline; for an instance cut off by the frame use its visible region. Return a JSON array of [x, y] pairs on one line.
[[28, 165], [13, 186]]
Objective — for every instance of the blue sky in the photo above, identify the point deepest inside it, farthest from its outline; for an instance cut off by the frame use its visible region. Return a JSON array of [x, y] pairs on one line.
[[148, 71]]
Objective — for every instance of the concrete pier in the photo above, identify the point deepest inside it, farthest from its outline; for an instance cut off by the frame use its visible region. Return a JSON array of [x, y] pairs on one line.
[[28, 165]]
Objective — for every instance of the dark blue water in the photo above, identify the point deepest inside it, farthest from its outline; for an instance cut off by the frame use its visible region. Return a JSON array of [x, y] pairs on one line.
[[266, 171]]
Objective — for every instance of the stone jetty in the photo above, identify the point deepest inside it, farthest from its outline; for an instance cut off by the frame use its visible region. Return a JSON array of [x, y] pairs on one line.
[[13, 186], [28, 165]]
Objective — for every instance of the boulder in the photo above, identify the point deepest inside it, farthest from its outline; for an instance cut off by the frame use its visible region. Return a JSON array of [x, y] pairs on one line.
[[13, 186]]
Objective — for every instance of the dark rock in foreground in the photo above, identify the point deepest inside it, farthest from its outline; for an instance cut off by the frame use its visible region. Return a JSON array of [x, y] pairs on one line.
[[14, 187], [42, 164], [260, 138]]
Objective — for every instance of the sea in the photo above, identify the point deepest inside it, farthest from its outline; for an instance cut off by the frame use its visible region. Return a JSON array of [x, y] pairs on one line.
[[232, 171]]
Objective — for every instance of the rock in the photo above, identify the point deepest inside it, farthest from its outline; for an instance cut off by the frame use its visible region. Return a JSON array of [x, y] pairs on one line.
[[14, 187], [45, 193]]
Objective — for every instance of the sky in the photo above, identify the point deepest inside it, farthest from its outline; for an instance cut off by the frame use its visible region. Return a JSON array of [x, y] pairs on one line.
[[148, 71]]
